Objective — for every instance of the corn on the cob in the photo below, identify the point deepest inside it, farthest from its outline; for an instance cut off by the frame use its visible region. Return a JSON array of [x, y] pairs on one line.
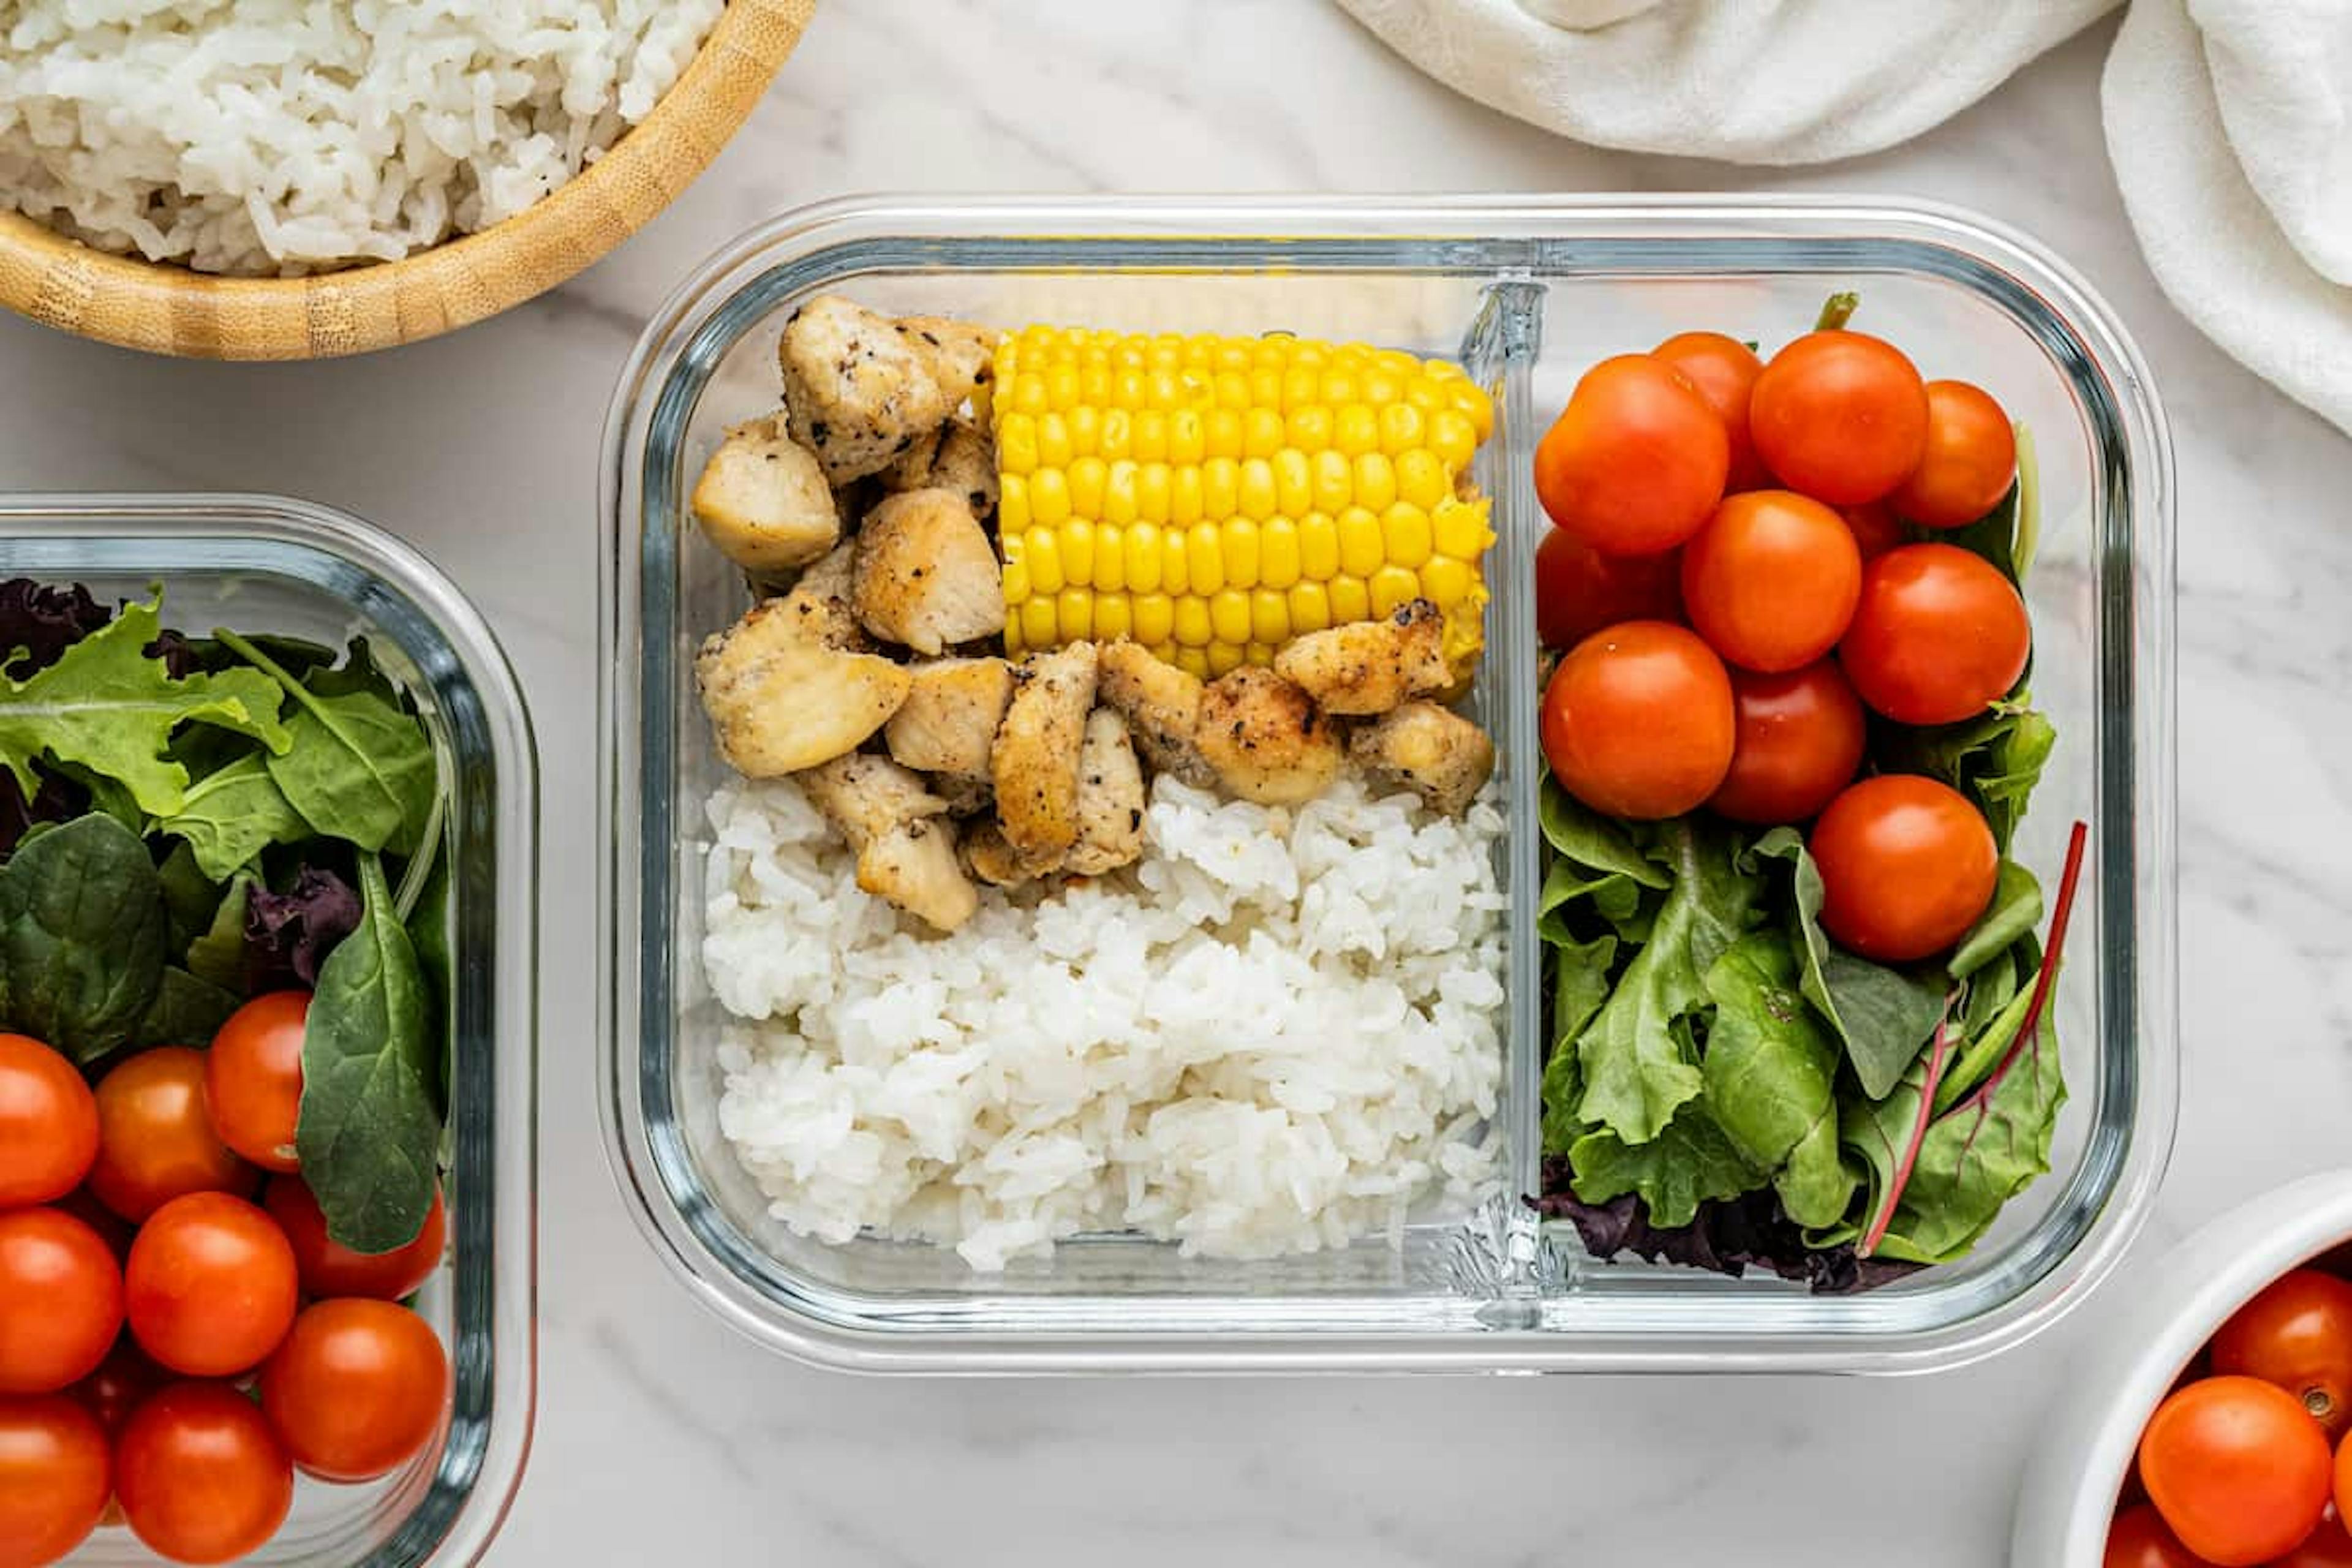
[[1213, 496]]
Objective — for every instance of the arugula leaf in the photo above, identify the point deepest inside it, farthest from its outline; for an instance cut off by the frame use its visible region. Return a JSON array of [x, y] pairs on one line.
[[358, 767], [1636, 1072], [1591, 840], [1882, 1015], [107, 706], [368, 1133], [217, 956], [1978, 1156], [1689, 1161], [82, 933], [2014, 912], [1769, 1068], [187, 1011], [230, 817]]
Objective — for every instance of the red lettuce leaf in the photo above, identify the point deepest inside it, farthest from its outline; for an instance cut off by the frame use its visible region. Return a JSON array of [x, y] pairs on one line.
[[1728, 1236], [288, 936], [39, 621]]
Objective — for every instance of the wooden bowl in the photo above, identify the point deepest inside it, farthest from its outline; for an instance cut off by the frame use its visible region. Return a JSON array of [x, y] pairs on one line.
[[163, 308]]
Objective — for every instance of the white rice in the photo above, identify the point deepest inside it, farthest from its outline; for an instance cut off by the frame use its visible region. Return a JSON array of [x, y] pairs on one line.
[[1279, 1031], [283, 136]]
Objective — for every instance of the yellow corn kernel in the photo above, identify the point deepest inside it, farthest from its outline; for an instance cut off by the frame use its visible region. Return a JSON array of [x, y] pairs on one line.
[[1376, 482], [1155, 618], [1014, 643], [1016, 571], [1224, 657], [1227, 353], [1459, 527], [1192, 627], [1090, 476], [1016, 444], [1351, 600], [1277, 553], [1340, 387], [1269, 617], [1453, 437], [1225, 432], [1254, 495], [1074, 614], [1084, 423], [1232, 389], [1184, 499], [1141, 545], [1266, 391], [1334, 482], [1383, 387], [1404, 429], [1221, 485], [1442, 370], [1049, 498], [1356, 429], [1012, 503], [1029, 394], [1302, 385], [1241, 546], [1175, 562], [1259, 653], [1118, 499], [1164, 650], [1471, 399], [1404, 534], [1075, 541], [1318, 547], [1390, 586], [1229, 616], [1150, 436], [1044, 554], [1194, 661], [1310, 608], [1427, 396], [1037, 623], [1118, 435], [1109, 559], [1271, 348], [1262, 432], [1062, 385], [1053, 440], [1294, 481], [1421, 478], [1113, 617], [1307, 428], [1188, 437], [1165, 385], [1444, 581], [1151, 498], [1205, 558], [1095, 385], [1361, 548]]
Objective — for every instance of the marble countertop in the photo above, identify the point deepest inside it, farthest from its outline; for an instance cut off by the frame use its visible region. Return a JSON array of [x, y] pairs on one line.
[[664, 1439]]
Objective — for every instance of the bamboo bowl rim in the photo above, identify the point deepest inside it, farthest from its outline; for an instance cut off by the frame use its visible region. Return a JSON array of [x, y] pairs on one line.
[[164, 308]]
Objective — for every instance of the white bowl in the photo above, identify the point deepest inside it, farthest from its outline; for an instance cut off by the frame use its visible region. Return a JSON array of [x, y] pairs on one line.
[[2068, 1497]]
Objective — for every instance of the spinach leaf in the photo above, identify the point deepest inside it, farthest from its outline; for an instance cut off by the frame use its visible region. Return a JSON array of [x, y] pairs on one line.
[[108, 707], [2015, 911], [1882, 1015], [1769, 1068], [231, 815], [1979, 1155], [1993, 536], [187, 1011], [1689, 1161], [1636, 1071], [1591, 840], [357, 672], [431, 933], [189, 897], [1983, 1049], [1817, 1185], [369, 1133], [217, 956], [82, 933], [358, 768]]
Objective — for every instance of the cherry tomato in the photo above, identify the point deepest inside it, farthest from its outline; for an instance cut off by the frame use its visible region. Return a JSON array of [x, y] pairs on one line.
[[1636, 460], [1971, 458], [2140, 1539], [1637, 720], [252, 1078], [155, 1142], [1841, 416], [55, 1477], [2238, 1469], [111, 1227], [357, 1390], [60, 1300], [1799, 739], [119, 1385], [1936, 635], [1579, 590], [48, 1124], [201, 1476], [1876, 529], [1771, 581], [1724, 370], [211, 1286], [2326, 1547], [2297, 1334], [330, 1269], [1906, 867]]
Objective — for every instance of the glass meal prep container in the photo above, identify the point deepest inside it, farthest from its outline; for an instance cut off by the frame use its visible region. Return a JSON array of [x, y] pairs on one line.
[[268, 563], [1526, 293]]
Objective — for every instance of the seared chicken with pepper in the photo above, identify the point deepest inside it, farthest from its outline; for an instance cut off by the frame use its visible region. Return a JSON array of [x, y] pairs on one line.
[[1435, 752], [1111, 799], [948, 723], [783, 698], [925, 575], [906, 850], [1038, 758], [1369, 667], [860, 392], [1162, 705], [763, 502], [956, 456], [1266, 739]]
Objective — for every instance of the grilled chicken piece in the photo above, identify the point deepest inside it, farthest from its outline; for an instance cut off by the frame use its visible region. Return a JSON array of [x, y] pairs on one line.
[[1162, 705], [860, 392], [819, 601], [948, 723], [1433, 751], [1110, 798], [905, 853], [991, 857], [1036, 761], [1369, 667], [927, 576], [763, 502], [956, 456], [782, 696], [960, 355], [1268, 742]]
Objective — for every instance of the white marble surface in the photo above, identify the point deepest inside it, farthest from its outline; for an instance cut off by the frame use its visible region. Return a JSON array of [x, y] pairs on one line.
[[664, 1439]]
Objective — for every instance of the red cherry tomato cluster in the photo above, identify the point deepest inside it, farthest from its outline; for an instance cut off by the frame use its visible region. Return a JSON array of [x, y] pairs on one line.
[[156, 1349], [1734, 580], [2250, 1464]]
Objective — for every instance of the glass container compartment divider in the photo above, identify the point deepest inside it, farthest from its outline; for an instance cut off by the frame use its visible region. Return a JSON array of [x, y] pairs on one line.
[[1524, 291]]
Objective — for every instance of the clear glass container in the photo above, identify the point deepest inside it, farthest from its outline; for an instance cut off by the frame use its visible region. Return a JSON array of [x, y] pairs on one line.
[[1525, 292], [268, 563]]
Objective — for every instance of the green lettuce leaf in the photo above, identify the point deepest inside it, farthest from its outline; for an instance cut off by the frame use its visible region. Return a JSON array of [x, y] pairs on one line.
[[1771, 1068], [2014, 912], [1688, 1162], [1978, 1155], [230, 817]]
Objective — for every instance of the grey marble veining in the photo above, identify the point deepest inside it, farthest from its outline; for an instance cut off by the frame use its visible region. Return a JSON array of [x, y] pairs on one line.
[[663, 1439]]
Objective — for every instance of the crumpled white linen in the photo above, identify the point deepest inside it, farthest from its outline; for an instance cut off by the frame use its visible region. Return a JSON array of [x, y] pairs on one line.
[[1755, 81]]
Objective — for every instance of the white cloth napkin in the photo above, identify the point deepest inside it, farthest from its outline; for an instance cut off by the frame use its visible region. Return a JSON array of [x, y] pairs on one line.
[[1757, 81], [2229, 123]]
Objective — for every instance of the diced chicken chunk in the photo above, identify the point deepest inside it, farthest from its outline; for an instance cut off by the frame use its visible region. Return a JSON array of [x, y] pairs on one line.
[[819, 601], [781, 697], [762, 499], [859, 392], [948, 723], [1433, 751], [1110, 798], [1036, 761], [864, 796], [960, 355], [1162, 705], [1369, 667], [905, 854], [990, 857], [957, 456], [1267, 741], [927, 576]]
